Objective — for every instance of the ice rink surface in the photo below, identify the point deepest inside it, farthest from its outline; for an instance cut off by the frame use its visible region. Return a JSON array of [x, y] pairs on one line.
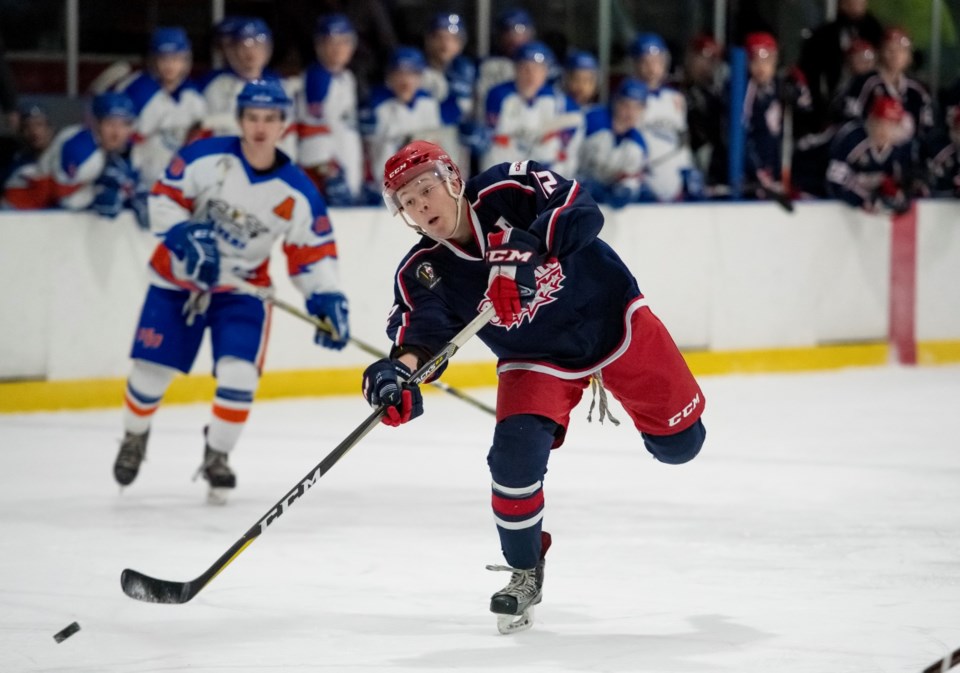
[[817, 532]]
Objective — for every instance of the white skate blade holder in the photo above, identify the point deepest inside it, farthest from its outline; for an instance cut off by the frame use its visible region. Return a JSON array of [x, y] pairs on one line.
[[507, 624]]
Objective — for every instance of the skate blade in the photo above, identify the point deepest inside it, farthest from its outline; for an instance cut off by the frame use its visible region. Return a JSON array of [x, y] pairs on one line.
[[507, 624], [218, 496]]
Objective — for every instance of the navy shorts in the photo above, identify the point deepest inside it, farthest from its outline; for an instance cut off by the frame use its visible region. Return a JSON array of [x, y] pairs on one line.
[[239, 327]]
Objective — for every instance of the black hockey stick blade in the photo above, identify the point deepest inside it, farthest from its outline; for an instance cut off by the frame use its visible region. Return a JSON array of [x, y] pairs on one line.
[[148, 589], [944, 664]]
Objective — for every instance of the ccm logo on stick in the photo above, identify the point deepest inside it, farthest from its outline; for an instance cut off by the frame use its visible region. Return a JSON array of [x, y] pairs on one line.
[[507, 256], [687, 410]]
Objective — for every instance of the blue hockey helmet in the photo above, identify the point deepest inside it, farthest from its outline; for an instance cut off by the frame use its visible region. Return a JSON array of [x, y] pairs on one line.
[[406, 58], [252, 28], [632, 88], [534, 51], [648, 43], [448, 22], [581, 60], [263, 93], [113, 104], [224, 27], [333, 24], [514, 19], [169, 40]]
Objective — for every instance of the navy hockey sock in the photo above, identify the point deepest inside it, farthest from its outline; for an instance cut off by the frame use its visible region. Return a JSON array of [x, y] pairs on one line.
[[518, 463]]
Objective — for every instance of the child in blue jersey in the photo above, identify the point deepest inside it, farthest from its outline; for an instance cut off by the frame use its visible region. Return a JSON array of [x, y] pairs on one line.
[[568, 311]]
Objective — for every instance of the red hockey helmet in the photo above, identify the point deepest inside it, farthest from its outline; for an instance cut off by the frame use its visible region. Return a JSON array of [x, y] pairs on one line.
[[760, 45], [898, 36], [411, 161], [888, 108]]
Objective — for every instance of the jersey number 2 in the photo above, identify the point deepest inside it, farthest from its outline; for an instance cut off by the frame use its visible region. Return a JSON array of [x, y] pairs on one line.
[[547, 181]]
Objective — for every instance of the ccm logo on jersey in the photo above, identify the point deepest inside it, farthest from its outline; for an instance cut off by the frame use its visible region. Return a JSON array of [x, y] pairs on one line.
[[687, 410], [508, 256]]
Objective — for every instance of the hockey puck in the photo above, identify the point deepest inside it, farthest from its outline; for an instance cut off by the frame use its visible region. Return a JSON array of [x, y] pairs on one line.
[[60, 636]]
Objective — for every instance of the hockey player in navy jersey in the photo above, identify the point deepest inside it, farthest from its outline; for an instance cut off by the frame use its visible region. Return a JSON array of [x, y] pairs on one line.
[[218, 211], [568, 311], [870, 162]]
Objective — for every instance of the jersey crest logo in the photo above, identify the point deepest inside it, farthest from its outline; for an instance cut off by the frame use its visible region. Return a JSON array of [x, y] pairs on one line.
[[176, 167], [518, 168], [549, 282], [427, 276], [284, 209], [321, 226]]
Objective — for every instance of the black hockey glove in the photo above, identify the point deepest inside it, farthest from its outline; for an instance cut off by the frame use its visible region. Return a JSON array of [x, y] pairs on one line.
[[385, 382]]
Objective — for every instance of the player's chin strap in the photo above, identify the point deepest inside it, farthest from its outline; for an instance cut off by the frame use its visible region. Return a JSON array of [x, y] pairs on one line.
[[596, 384]]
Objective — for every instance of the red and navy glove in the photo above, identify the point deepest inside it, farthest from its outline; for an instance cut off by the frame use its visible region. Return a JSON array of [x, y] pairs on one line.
[[385, 382], [513, 257]]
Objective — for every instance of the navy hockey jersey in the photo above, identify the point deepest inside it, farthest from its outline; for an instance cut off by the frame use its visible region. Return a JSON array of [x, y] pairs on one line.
[[577, 318]]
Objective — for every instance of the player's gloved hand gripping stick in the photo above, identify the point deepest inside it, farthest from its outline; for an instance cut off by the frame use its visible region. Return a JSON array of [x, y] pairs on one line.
[[266, 294], [152, 590]]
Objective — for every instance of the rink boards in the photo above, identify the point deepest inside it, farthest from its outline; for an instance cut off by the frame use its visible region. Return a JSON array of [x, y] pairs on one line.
[[743, 288]]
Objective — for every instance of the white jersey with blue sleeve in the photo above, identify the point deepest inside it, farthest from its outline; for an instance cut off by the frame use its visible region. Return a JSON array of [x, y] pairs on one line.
[[220, 93], [327, 123], [664, 128], [387, 124], [163, 121], [210, 180], [547, 129], [609, 158]]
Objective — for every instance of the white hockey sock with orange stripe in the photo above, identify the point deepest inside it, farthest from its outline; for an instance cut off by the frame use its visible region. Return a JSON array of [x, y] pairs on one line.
[[236, 383], [145, 388]]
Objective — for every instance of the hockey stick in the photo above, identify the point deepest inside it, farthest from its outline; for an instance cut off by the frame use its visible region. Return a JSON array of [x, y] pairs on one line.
[[944, 664], [152, 590], [268, 296]]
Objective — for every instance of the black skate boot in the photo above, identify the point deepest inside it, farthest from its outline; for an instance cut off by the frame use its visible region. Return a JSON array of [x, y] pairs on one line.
[[514, 603], [133, 451], [218, 474]]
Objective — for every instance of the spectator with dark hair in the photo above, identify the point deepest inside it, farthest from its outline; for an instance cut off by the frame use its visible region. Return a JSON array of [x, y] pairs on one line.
[[33, 138], [822, 55], [703, 92], [870, 164], [943, 167]]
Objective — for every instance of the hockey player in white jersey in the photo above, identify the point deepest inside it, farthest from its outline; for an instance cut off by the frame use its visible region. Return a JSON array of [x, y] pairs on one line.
[[515, 28], [530, 119], [85, 167], [330, 149], [251, 45], [672, 175], [613, 155], [219, 209], [398, 111], [169, 106]]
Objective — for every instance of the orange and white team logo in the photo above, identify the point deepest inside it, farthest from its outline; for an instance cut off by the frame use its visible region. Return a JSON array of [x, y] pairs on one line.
[[549, 282]]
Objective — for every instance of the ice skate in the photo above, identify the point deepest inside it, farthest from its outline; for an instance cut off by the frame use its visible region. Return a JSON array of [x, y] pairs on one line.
[[514, 604], [133, 451], [218, 474]]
